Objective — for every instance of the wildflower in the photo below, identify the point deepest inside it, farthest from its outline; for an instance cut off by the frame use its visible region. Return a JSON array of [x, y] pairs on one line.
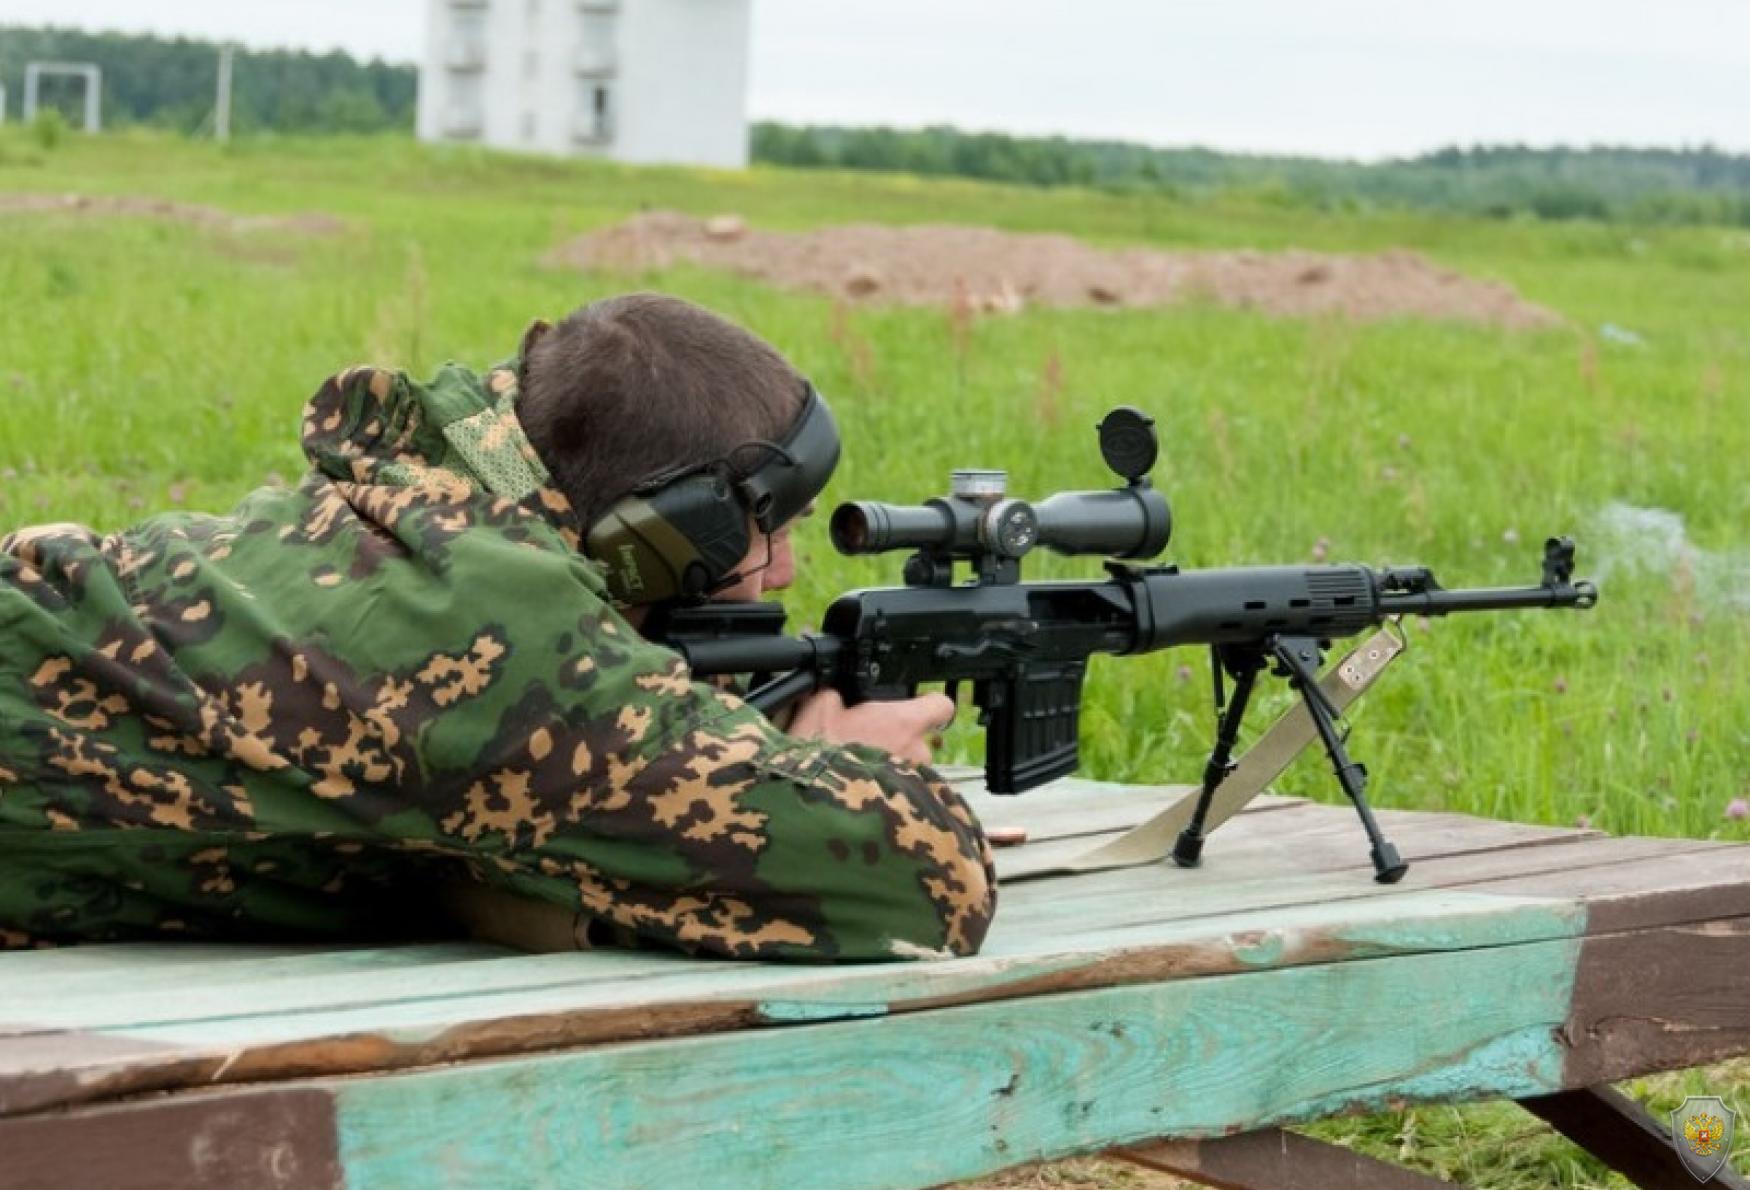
[[1184, 673], [1511, 537], [1738, 809]]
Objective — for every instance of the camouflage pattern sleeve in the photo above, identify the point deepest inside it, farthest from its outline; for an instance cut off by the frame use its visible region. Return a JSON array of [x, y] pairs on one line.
[[796, 849], [289, 720]]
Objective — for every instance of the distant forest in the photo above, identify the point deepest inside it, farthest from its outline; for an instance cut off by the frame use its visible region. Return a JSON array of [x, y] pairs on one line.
[[1700, 185], [170, 83]]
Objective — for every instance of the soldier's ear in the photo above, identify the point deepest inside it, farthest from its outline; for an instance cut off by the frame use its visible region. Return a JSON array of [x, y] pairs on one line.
[[533, 335]]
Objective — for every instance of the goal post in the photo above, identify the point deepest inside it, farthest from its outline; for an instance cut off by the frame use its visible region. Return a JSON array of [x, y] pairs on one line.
[[35, 72]]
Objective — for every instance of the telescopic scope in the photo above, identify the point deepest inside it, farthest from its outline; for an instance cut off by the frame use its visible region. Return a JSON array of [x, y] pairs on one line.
[[977, 519]]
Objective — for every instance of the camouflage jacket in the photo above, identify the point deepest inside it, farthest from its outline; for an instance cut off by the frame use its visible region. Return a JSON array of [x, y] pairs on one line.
[[275, 723]]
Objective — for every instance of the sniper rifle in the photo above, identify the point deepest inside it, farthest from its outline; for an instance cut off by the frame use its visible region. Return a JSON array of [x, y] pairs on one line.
[[1024, 646]]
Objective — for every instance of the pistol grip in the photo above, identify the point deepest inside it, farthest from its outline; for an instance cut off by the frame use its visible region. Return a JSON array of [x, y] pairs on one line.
[[1033, 726]]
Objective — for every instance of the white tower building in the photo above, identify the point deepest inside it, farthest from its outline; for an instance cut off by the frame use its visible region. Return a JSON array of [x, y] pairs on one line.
[[635, 80]]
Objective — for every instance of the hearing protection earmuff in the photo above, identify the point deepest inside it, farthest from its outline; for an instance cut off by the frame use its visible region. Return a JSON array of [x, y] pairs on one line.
[[680, 534]]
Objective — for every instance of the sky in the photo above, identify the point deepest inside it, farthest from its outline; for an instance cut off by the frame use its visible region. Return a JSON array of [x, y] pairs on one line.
[[1348, 78]]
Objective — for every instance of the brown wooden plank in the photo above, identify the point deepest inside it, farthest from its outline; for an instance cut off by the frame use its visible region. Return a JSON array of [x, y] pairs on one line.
[[272, 1140], [1076, 807], [1113, 901], [1699, 883], [1274, 1159], [1318, 837], [1087, 816], [1659, 999], [1620, 1132]]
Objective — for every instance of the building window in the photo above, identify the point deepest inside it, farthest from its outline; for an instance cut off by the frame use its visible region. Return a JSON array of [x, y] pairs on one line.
[[465, 115], [595, 114], [467, 47], [597, 30]]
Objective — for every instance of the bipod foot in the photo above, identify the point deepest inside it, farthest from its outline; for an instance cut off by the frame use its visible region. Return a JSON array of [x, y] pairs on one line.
[[1388, 866], [1297, 658]]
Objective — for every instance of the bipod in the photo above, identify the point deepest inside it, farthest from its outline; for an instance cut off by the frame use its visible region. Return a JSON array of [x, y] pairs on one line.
[[1296, 658], [1242, 663]]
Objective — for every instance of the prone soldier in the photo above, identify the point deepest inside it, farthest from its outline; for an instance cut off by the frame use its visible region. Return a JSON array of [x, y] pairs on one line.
[[422, 666]]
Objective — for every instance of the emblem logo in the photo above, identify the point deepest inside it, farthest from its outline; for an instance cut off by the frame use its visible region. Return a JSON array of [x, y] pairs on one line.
[[629, 569], [1701, 1131]]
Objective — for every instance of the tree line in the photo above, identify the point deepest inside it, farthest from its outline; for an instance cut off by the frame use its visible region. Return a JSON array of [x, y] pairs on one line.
[[1691, 185], [170, 83]]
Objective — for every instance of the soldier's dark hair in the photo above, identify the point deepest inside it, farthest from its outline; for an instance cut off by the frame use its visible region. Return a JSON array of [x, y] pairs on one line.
[[629, 387]]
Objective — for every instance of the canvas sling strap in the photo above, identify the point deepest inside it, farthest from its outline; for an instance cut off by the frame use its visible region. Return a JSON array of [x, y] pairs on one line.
[[1261, 764]]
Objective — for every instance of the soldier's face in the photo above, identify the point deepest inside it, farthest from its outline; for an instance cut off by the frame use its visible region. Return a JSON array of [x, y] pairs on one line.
[[759, 575]]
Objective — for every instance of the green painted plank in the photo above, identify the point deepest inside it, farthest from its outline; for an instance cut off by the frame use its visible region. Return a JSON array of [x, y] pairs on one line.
[[715, 997], [1065, 912], [920, 1099], [294, 984], [1245, 942], [112, 966], [127, 957], [607, 980], [1052, 926]]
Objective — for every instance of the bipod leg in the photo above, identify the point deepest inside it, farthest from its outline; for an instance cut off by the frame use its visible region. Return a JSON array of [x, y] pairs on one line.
[[1298, 659], [1244, 666]]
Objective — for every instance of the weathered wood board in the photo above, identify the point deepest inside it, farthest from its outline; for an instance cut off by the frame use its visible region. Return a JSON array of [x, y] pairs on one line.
[[1276, 983]]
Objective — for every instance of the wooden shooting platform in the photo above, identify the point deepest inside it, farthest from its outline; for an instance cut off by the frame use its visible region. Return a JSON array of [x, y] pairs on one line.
[[1176, 1016]]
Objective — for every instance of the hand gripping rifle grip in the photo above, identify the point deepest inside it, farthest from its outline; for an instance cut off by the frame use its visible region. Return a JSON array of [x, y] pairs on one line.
[[1032, 725]]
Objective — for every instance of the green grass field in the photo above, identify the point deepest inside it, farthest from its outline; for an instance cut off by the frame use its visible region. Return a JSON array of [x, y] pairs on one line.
[[146, 363]]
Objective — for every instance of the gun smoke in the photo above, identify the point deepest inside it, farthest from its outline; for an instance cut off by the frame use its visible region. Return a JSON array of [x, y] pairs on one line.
[[1632, 541]]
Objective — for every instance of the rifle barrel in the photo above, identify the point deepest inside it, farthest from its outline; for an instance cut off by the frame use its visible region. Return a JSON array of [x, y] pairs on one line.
[[1480, 599]]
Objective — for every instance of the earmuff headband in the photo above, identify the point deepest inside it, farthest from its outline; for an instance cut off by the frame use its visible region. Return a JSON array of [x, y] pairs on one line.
[[797, 469], [682, 533]]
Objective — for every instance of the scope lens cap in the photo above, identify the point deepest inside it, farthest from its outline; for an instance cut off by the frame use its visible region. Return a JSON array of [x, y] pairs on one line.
[[1128, 442]]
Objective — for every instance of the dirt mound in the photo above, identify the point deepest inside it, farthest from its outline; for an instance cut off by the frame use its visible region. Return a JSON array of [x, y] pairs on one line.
[[181, 212], [999, 271]]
